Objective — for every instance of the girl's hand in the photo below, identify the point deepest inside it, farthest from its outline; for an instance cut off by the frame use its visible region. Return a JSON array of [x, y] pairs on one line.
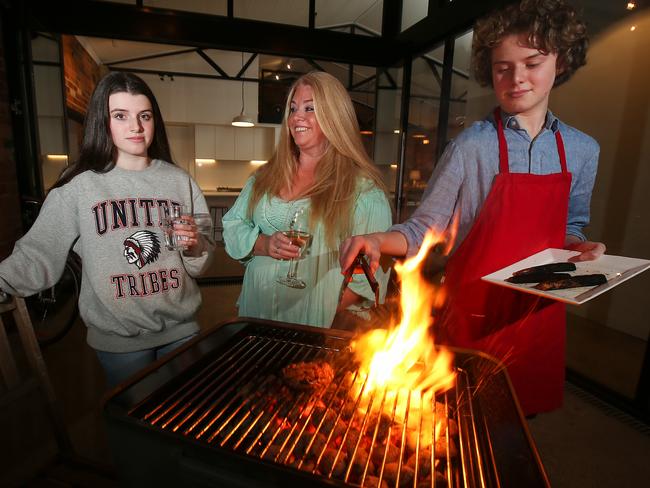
[[588, 250], [189, 236]]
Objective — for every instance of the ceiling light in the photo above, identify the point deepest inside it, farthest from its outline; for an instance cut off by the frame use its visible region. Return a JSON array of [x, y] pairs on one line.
[[242, 120], [258, 162], [425, 141], [366, 132], [393, 166], [396, 131], [277, 77], [57, 157], [631, 5], [289, 65]]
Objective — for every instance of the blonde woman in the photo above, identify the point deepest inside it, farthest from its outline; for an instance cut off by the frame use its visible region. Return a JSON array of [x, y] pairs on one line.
[[320, 166]]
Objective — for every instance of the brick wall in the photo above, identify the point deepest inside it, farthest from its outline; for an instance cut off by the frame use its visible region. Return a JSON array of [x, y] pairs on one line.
[[11, 228], [81, 74]]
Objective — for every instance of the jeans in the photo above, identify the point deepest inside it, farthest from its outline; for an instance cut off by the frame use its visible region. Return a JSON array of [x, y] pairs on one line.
[[118, 366]]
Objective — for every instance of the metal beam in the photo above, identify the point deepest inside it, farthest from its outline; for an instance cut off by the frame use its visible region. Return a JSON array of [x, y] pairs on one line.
[[246, 65], [149, 24], [162, 72], [151, 56], [445, 95], [445, 19], [312, 14], [211, 62], [391, 18]]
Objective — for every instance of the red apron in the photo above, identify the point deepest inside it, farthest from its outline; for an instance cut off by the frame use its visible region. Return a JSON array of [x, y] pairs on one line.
[[523, 214]]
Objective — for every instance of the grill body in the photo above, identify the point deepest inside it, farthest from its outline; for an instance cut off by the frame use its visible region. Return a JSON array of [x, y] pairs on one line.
[[216, 413]]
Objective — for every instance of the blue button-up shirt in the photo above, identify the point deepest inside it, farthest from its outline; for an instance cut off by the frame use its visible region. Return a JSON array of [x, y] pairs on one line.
[[463, 177]]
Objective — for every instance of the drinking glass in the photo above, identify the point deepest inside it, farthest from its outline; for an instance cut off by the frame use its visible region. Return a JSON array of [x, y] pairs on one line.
[[204, 227], [299, 235], [173, 215]]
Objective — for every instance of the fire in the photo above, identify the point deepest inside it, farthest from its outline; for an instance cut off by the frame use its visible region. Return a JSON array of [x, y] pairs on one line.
[[404, 356]]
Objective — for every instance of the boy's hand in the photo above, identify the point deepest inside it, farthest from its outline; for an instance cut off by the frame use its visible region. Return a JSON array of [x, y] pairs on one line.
[[367, 244], [588, 250]]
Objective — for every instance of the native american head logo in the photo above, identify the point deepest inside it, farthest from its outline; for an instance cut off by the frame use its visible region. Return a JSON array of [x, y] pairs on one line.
[[141, 248]]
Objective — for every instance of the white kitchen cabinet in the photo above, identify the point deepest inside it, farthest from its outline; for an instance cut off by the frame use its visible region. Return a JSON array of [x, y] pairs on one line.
[[225, 143], [245, 143], [264, 143], [204, 142]]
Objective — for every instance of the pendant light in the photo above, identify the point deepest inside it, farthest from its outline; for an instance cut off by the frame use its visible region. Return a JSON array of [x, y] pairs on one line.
[[242, 120]]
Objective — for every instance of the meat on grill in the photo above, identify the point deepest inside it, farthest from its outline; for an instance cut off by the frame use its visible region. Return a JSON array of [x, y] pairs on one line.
[[308, 376]]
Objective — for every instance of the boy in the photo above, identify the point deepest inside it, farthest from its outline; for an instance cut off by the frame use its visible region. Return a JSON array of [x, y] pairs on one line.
[[518, 182]]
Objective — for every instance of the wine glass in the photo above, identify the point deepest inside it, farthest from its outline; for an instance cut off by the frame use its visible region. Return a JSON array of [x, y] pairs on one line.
[[299, 235]]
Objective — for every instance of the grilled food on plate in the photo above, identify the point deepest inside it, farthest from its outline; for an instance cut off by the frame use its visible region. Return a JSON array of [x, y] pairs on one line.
[[546, 268], [572, 282]]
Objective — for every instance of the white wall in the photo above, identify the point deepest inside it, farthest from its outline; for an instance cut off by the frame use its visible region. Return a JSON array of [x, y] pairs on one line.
[[609, 99]]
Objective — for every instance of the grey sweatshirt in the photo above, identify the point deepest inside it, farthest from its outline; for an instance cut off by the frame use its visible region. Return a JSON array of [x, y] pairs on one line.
[[135, 294]]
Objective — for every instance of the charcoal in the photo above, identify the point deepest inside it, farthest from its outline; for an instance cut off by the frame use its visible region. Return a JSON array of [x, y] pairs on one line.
[[406, 474], [359, 463], [328, 460], [271, 453], [424, 462], [319, 441], [441, 448], [373, 482], [392, 455]]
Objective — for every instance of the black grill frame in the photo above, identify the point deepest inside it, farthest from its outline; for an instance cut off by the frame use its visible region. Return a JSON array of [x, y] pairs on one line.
[[496, 432]]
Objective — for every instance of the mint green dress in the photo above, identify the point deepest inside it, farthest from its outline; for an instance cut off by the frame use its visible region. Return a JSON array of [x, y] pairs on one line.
[[261, 295]]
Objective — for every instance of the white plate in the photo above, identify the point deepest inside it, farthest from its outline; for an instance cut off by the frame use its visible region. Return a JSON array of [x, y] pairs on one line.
[[617, 269]]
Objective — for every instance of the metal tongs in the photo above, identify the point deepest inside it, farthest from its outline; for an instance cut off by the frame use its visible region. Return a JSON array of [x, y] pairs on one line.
[[358, 265]]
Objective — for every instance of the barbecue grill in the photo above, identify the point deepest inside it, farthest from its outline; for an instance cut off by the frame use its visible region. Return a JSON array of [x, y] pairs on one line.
[[217, 412]]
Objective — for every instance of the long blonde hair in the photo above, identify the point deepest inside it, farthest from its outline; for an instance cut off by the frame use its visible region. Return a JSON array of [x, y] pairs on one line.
[[341, 169]]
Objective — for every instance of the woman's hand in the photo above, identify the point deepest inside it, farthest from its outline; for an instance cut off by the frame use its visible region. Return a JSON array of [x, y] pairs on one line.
[[276, 246], [588, 250]]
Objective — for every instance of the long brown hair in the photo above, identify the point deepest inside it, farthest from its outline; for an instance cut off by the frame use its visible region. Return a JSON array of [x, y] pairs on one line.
[[344, 166], [97, 149]]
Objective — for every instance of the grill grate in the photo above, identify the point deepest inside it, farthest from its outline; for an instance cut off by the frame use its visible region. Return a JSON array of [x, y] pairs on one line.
[[238, 401]]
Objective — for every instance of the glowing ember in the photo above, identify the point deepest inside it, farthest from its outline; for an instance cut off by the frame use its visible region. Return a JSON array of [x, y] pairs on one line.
[[404, 356]]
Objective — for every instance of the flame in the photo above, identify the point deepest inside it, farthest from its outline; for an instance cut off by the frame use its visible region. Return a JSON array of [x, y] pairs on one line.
[[404, 356]]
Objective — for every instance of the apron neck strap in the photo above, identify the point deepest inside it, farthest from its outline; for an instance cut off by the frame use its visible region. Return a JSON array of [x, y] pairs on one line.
[[560, 150], [503, 145], [504, 167]]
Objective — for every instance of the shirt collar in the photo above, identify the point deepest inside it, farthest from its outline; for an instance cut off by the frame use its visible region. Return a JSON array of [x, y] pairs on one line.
[[510, 121]]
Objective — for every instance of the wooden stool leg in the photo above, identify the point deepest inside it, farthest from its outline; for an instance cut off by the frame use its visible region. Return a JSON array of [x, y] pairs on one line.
[[35, 358], [7, 363]]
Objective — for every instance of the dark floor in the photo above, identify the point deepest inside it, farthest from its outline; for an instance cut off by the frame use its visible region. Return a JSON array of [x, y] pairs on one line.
[[585, 444]]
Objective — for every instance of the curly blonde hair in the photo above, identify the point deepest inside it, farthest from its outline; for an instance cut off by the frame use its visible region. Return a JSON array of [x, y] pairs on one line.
[[552, 26], [344, 166]]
